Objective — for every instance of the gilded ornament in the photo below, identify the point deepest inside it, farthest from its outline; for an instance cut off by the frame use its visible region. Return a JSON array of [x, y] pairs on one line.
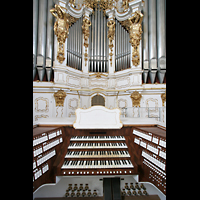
[[98, 75], [86, 32], [61, 28], [60, 97], [135, 32], [136, 97], [134, 27], [111, 33], [163, 97]]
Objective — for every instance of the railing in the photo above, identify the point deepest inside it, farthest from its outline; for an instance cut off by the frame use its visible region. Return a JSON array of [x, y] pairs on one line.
[[159, 113]]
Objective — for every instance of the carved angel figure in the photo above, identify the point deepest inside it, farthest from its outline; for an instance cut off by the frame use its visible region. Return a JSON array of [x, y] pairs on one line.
[[136, 28], [61, 25]]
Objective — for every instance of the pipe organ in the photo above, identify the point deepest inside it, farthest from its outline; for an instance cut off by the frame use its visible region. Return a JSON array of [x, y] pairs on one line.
[[43, 38], [74, 45], [154, 40], [97, 56], [122, 48], [98, 42]]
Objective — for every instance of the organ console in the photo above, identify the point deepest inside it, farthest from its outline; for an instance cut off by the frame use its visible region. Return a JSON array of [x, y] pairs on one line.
[[126, 151]]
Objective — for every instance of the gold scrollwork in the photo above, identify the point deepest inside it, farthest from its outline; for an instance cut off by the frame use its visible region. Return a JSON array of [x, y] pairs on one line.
[[60, 97]]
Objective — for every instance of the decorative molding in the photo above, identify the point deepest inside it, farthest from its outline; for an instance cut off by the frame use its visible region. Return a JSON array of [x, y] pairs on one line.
[[71, 113], [60, 97], [124, 101], [136, 97], [70, 104], [73, 81], [40, 116], [122, 82], [147, 105], [100, 82], [37, 104]]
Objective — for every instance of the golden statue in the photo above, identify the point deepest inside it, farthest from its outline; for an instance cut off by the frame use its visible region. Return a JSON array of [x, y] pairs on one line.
[[61, 25], [135, 28], [135, 31], [61, 28]]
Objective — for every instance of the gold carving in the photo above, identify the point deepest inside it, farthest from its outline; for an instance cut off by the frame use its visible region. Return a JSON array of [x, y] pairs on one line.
[[111, 33], [163, 97], [98, 75], [136, 97], [134, 27], [61, 27], [60, 97], [85, 29], [103, 4]]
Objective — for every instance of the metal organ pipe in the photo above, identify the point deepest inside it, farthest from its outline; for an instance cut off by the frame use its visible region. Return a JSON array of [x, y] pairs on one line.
[[98, 42], [152, 35], [49, 46], [105, 45], [101, 41], [91, 39], [35, 29], [95, 38], [43, 38], [161, 38], [145, 37], [122, 47], [74, 45], [42, 32], [154, 40]]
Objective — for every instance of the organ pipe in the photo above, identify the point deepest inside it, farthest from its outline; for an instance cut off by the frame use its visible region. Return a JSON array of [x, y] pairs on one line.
[[152, 35], [122, 48], [74, 45], [41, 48], [161, 34], [101, 55], [145, 37], [49, 45], [98, 42], [35, 26], [35, 30]]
